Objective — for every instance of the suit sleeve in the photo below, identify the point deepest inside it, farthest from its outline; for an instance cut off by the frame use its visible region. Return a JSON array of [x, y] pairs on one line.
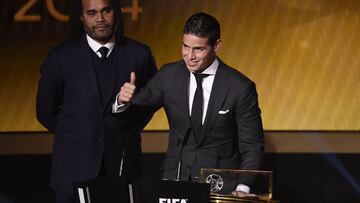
[[250, 130], [50, 93], [149, 70], [150, 98]]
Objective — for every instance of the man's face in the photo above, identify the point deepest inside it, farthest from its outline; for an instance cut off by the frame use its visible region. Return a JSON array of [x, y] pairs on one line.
[[197, 53], [98, 19]]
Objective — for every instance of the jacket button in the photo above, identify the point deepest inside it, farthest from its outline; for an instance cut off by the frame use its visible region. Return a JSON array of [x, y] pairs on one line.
[[101, 139]]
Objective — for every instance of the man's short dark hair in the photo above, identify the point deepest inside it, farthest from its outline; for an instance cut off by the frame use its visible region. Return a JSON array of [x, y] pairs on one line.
[[203, 25], [77, 29]]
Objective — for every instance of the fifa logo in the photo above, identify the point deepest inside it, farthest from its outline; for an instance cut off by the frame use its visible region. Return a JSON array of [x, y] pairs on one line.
[[169, 200]]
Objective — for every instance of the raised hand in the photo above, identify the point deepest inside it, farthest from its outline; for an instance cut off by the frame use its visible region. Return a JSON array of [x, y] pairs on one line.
[[127, 90]]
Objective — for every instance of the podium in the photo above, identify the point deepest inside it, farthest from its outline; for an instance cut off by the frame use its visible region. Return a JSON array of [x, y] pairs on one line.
[[124, 190], [216, 185], [105, 189]]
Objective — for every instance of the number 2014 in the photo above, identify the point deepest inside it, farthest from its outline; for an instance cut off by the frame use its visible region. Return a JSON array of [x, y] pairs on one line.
[[21, 16]]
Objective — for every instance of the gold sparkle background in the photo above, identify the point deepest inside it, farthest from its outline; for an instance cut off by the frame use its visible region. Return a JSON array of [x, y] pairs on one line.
[[304, 56]]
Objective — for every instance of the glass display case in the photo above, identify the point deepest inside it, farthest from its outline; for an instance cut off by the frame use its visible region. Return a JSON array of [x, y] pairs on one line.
[[223, 184]]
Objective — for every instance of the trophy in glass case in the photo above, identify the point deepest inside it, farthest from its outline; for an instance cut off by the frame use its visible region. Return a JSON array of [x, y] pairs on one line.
[[223, 184]]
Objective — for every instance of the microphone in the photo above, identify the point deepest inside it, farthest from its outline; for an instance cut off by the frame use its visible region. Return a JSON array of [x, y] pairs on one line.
[[183, 143]]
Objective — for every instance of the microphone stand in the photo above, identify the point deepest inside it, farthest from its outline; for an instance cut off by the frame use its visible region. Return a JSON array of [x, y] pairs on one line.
[[183, 143]]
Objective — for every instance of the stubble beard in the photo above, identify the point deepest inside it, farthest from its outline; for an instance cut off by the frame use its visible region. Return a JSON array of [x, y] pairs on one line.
[[102, 36]]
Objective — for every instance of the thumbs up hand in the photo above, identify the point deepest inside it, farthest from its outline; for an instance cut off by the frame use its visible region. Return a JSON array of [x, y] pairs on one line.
[[127, 91], [132, 78]]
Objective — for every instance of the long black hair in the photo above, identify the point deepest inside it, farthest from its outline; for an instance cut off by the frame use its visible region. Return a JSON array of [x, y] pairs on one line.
[[76, 25]]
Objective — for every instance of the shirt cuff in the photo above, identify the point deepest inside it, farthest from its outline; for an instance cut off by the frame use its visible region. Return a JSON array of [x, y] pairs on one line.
[[243, 188], [118, 108]]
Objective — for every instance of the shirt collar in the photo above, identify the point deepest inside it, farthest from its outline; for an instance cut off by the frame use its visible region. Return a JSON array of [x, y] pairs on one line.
[[211, 70], [95, 46]]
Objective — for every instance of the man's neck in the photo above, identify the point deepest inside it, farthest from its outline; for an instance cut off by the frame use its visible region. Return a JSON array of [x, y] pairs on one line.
[[105, 41]]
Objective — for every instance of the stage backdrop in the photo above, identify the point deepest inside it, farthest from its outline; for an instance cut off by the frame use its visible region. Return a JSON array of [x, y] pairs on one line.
[[303, 54]]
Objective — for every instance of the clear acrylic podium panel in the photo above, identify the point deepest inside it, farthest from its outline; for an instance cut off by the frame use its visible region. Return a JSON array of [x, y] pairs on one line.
[[224, 181]]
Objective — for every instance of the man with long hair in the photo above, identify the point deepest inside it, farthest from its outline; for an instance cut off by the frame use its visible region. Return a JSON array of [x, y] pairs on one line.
[[79, 82]]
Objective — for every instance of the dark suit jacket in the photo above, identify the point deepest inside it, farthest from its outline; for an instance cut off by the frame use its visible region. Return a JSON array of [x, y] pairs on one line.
[[233, 140], [69, 104]]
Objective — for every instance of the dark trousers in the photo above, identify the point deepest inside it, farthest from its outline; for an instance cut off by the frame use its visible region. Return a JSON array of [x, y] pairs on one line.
[[61, 197]]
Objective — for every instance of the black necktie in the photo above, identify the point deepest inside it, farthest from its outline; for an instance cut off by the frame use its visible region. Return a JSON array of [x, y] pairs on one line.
[[103, 51], [197, 106]]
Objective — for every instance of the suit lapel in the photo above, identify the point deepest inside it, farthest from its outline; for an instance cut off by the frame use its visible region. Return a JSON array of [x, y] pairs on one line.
[[218, 94], [184, 80], [117, 55], [90, 68]]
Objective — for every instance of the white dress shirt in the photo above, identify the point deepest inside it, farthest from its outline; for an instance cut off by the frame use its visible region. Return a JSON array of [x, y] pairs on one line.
[[95, 46], [207, 83]]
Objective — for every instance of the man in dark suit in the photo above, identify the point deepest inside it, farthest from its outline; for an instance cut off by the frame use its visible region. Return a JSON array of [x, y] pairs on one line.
[[78, 85], [212, 108]]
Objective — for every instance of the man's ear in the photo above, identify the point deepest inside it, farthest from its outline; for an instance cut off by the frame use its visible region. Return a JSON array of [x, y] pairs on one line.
[[81, 18], [217, 45]]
